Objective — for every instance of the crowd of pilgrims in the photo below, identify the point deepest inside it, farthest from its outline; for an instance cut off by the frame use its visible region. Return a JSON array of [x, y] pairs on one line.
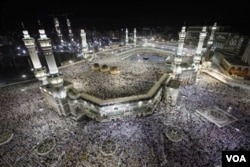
[[139, 142], [135, 78]]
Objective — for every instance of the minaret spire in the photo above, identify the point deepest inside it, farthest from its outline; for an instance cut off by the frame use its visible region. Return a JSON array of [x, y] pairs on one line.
[[211, 38], [39, 23], [23, 26], [84, 43], [39, 71], [55, 77], [58, 31], [69, 28], [201, 40], [182, 36], [197, 57], [126, 38], [134, 36]]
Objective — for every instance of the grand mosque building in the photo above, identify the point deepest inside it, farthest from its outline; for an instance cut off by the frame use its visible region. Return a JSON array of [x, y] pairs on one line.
[[68, 97]]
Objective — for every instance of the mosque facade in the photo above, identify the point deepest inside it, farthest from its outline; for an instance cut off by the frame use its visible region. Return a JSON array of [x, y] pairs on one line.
[[61, 96]]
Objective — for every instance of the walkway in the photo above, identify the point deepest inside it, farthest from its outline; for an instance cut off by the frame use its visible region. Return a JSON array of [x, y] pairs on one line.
[[227, 80]]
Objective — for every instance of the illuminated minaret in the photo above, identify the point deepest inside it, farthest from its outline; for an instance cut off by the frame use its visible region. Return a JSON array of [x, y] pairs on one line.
[[135, 36], [201, 40], [126, 38], [210, 42], [54, 78], [84, 41], [246, 54], [182, 36], [211, 38], [197, 57], [58, 31], [39, 71], [70, 31]]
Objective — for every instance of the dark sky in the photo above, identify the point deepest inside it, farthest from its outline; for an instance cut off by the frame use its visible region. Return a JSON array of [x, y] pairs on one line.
[[125, 13]]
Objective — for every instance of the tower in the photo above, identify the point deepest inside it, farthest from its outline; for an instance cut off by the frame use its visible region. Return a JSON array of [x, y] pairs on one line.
[[54, 78], [246, 54], [126, 38], [70, 30], [134, 36], [182, 36], [177, 70], [55, 94], [210, 43], [211, 38], [39, 71], [197, 57], [84, 42], [176, 66], [58, 31], [201, 40]]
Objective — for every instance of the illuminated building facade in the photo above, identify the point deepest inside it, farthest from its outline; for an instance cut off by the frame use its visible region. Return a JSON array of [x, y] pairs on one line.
[[66, 100], [81, 104], [186, 64]]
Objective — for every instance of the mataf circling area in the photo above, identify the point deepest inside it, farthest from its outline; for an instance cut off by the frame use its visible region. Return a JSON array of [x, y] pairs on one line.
[[114, 79]]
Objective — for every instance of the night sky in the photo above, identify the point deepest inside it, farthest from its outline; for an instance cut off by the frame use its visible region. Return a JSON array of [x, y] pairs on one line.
[[125, 13]]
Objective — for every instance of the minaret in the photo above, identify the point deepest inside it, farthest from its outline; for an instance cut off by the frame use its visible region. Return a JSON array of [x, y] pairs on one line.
[[246, 54], [70, 31], [182, 36], [210, 42], [201, 40], [126, 38], [54, 78], [211, 38], [84, 42], [134, 36], [177, 70], [39, 71], [58, 31], [197, 57]]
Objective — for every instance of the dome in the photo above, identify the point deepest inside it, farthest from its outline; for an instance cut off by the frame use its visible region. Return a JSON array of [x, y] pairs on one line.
[[105, 68], [114, 70], [95, 66], [73, 94]]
